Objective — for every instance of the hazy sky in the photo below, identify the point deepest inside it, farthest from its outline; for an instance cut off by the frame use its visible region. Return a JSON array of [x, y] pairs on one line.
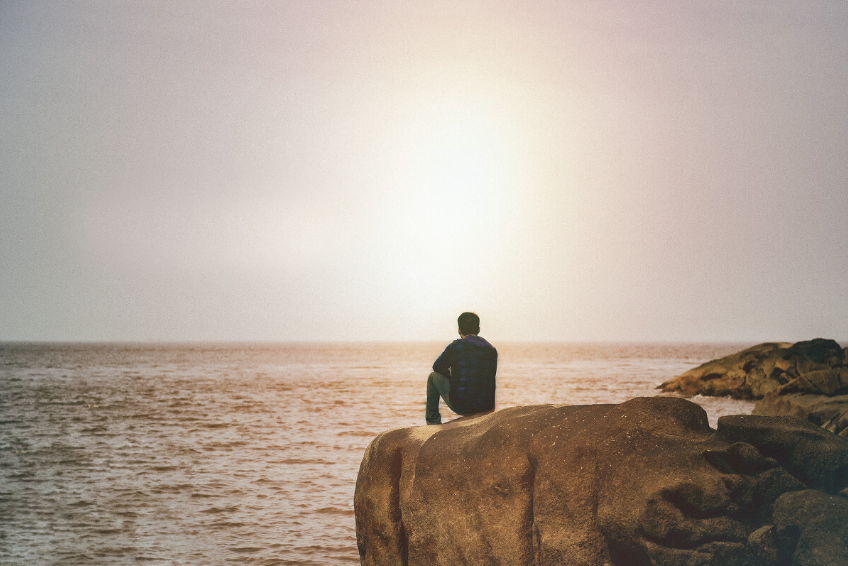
[[322, 170]]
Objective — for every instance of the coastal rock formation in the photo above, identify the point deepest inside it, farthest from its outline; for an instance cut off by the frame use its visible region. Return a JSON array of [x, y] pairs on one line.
[[639, 483], [814, 456], [758, 370], [814, 525], [806, 379], [819, 396]]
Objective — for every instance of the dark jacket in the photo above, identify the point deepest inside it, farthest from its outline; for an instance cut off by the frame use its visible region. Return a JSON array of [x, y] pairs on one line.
[[470, 364]]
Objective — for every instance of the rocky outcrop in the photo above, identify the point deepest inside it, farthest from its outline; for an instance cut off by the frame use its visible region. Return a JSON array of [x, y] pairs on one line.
[[646, 482], [806, 379], [819, 396], [813, 526], [815, 457], [756, 371]]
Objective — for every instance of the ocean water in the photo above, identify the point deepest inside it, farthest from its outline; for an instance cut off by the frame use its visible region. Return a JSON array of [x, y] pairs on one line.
[[209, 454]]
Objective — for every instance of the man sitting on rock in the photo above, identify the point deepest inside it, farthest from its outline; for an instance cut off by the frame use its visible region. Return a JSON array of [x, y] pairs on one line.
[[464, 375]]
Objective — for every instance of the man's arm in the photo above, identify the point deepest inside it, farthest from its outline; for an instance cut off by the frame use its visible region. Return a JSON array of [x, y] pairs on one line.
[[444, 362]]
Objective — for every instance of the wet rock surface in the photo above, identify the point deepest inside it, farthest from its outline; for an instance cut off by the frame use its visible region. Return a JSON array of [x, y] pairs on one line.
[[642, 482]]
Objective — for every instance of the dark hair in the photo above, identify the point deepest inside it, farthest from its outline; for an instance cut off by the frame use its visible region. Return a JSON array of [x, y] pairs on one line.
[[469, 323]]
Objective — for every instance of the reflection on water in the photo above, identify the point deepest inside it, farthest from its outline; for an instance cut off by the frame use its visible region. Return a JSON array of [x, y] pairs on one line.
[[243, 454]]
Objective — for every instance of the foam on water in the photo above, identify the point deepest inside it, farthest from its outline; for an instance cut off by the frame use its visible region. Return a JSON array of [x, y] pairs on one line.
[[244, 454]]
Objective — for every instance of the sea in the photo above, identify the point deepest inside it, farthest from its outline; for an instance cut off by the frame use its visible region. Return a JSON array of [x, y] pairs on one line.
[[208, 454]]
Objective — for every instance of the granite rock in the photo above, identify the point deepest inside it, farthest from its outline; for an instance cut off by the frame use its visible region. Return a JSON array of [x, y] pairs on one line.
[[645, 482], [816, 457], [758, 370], [829, 412], [818, 396], [814, 526]]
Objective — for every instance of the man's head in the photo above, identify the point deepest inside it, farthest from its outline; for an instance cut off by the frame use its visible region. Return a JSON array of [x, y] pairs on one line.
[[469, 323]]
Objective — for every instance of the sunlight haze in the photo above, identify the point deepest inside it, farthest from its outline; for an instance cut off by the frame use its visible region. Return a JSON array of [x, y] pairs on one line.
[[368, 170]]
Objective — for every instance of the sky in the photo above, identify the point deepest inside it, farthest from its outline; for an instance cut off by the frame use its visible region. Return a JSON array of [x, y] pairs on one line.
[[328, 170]]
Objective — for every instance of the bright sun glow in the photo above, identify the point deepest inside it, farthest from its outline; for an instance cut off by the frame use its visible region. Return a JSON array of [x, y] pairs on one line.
[[461, 167], [455, 196], [461, 154]]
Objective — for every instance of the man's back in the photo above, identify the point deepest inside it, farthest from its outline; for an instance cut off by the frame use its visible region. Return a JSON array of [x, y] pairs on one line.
[[471, 364]]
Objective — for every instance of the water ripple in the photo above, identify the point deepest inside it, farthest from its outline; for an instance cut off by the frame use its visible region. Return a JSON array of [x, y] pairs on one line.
[[240, 454]]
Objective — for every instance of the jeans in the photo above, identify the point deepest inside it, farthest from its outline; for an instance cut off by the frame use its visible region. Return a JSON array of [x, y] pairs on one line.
[[437, 386]]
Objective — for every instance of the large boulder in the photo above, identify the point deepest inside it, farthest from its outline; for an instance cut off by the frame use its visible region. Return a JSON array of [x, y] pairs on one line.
[[810, 529], [818, 396], [815, 525], [831, 413], [758, 370], [634, 484], [814, 456]]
